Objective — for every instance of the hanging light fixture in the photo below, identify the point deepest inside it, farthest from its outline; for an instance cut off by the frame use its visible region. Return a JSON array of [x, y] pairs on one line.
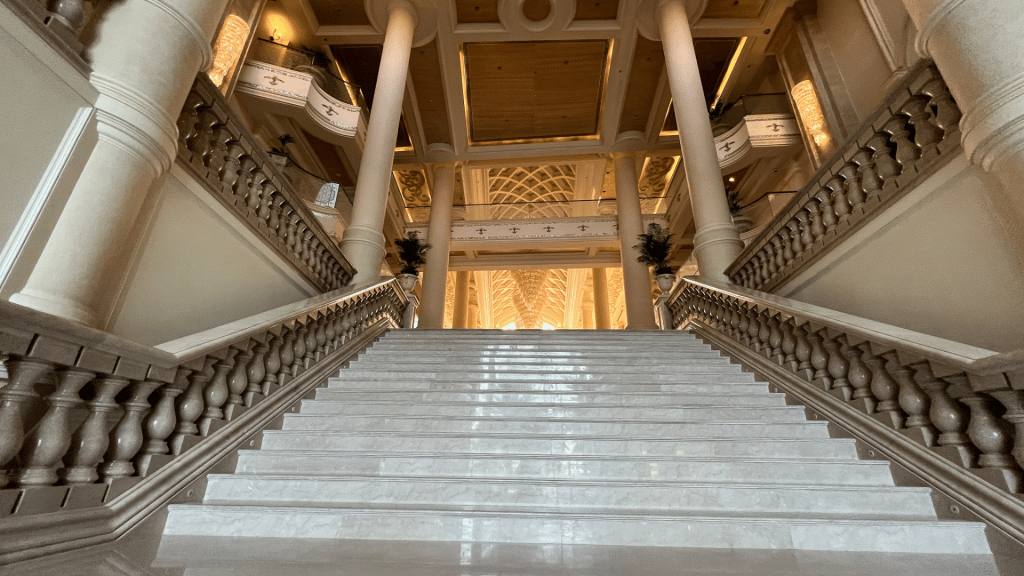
[[809, 108], [228, 48]]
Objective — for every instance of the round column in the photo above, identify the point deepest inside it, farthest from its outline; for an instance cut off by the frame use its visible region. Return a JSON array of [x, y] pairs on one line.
[[716, 243], [979, 48], [636, 278], [460, 318], [439, 233], [363, 241], [602, 318], [144, 61]]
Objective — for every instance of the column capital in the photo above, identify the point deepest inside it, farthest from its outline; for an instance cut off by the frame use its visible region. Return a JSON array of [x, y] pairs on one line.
[[423, 12], [649, 11]]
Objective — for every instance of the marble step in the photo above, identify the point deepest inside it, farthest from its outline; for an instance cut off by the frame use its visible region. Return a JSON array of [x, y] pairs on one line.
[[705, 384], [553, 358], [552, 467], [555, 411], [539, 335], [568, 427], [627, 378], [482, 366], [573, 495], [431, 443], [660, 399], [568, 348], [544, 527]]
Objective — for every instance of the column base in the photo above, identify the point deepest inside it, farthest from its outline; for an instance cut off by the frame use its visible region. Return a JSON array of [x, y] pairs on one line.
[[57, 306], [364, 249], [716, 247]]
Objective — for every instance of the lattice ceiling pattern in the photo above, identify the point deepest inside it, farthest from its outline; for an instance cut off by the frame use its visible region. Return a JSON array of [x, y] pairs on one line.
[[529, 298], [531, 191]]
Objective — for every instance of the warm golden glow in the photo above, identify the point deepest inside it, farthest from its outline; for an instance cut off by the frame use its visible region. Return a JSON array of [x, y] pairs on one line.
[[228, 48], [810, 113]]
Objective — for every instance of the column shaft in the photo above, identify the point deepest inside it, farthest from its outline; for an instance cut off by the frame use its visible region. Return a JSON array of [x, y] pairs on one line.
[[602, 318], [145, 58], [636, 279], [439, 233], [717, 243], [363, 241], [460, 318]]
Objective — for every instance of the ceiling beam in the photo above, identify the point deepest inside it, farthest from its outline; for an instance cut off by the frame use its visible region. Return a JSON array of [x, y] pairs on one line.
[[535, 261]]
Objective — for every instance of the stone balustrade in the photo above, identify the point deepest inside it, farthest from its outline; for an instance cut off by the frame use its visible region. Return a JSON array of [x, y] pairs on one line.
[[951, 411], [58, 22], [223, 155], [85, 415], [906, 140]]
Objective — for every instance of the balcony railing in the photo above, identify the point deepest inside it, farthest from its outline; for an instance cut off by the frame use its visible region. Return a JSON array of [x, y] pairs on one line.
[[912, 135], [57, 22], [952, 414], [97, 431], [224, 156], [307, 62]]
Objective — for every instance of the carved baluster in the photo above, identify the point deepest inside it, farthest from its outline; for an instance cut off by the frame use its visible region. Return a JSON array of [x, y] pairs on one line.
[[752, 340], [287, 354], [190, 406], [49, 440], [915, 404], [272, 363], [188, 120], [780, 252], [819, 359], [162, 419], [851, 185], [883, 158], [286, 231], [806, 237], [927, 134], [202, 143], [231, 170], [310, 336], [817, 225], [218, 156], [803, 353], [838, 367], [255, 195], [216, 393], [826, 209], [299, 348], [238, 378], [339, 328], [837, 191], [22, 377], [945, 413], [795, 243], [993, 437], [906, 152], [127, 437], [244, 180], [859, 375], [884, 388], [330, 334], [274, 211], [788, 344], [1013, 401], [775, 339], [743, 323], [266, 198], [255, 372], [869, 180], [947, 113], [89, 443]]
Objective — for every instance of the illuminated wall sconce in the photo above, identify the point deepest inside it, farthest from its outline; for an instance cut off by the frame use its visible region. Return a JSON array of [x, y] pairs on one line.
[[275, 34], [809, 108], [228, 48]]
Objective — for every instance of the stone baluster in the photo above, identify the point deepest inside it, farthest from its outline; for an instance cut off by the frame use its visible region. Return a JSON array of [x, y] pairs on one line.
[[914, 402], [788, 344], [859, 375], [852, 188], [1013, 401], [188, 120], [310, 341], [330, 333], [764, 334], [190, 406], [884, 388], [272, 362], [162, 419], [813, 208], [89, 443], [744, 323], [753, 330], [837, 192], [882, 157], [238, 378], [217, 159], [339, 326], [299, 348], [803, 353], [819, 359], [321, 336], [945, 413], [231, 171], [795, 241], [255, 194], [838, 366], [202, 144], [947, 113], [266, 198], [126, 438], [287, 354], [274, 209], [216, 393], [255, 371], [48, 441], [22, 377], [927, 133], [993, 437], [780, 258], [806, 235], [906, 152], [870, 182], [775, 340], [826, 209]]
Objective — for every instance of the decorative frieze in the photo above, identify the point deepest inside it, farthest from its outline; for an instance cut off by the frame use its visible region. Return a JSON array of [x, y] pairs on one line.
[[587, 229], [300, 91]]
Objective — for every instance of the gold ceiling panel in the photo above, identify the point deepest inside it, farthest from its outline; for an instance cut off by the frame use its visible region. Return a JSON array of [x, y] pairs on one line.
[[521, 91], [713, 57], [340, 12], [597, 9], [425, 69], [476, 11], [413, 185], [531, 191], [648, 62], [734, 8]]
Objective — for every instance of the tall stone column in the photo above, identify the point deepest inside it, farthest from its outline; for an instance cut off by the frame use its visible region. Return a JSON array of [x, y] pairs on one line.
[[979, 48], [439, 233], [716, 243], [363, 240], [602, 317], [144, 61], [587, 309], [460, 317], [636, 278]]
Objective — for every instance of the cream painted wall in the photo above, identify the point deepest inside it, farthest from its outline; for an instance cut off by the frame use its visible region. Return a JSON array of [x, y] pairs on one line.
[[198, 270], [944, 266], [856, 52]]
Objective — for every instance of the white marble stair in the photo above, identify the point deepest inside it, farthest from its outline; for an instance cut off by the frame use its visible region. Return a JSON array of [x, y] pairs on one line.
[[570, 438]]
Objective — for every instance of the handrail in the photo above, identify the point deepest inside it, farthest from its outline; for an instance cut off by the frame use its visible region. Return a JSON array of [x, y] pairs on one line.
[[165, 399], [902, 143], [224, 156], [960, 407], [59, 26]]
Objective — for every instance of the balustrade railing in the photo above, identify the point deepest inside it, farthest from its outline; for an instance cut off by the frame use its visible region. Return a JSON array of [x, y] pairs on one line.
[[225, 157], [310, 63], [85, 415], [906, 140], [60, 20], [949, 411]]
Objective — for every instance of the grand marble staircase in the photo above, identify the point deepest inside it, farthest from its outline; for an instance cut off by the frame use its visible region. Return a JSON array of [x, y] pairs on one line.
[[581, 438]]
